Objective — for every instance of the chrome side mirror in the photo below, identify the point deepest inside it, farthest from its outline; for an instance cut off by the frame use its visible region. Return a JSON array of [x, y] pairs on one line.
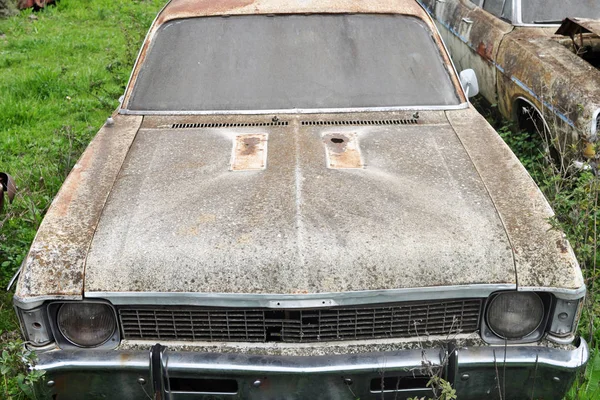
[[468, 80]]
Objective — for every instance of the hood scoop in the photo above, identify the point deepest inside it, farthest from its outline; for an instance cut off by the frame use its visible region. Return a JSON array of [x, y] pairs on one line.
[[342, 151]]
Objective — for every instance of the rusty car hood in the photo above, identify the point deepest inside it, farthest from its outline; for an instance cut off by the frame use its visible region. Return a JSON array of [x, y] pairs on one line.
[[262, 205], [406, 209]]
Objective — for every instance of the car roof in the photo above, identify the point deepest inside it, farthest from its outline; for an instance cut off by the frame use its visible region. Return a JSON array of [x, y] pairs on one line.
[[177, 9]]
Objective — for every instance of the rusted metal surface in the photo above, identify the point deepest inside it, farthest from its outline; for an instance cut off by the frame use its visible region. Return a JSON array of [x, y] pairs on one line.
[[574, 26], [342, 150], [564, 87], [249, 152], [417, 214], [7, 188], [543, 256], [525, 65], [178, 9], [55, 264]]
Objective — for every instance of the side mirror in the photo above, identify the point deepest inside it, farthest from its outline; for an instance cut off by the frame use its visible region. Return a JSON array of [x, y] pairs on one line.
[[468, 80], [7, 184]]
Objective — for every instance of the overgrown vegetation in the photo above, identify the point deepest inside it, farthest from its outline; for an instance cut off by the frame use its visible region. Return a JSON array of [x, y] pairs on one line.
[[62, 71], [572, 190]]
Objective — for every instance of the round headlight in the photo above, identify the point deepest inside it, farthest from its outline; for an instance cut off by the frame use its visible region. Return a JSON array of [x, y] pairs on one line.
[[515, 315], [86, 324]]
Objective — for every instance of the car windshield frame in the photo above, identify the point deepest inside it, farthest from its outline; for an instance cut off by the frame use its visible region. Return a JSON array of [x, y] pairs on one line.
[[454, 94]]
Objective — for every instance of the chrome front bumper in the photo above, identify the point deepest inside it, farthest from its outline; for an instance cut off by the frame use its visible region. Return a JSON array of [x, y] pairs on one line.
[[475, 372]]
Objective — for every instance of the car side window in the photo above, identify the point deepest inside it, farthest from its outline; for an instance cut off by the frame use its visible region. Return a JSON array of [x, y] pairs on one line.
[[499, 8]]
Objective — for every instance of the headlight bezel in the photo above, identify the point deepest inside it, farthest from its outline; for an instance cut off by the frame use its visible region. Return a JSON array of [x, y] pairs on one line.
[[490, 337], [65, 343]]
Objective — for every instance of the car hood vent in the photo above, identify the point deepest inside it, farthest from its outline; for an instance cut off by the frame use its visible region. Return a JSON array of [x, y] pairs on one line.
[[412, 121], [228, 125]]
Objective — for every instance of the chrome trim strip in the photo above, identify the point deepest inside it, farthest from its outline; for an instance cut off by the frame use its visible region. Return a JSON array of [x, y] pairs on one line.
[[27, 303], [460, 106], [531, 355], [561, 340], [520, 25], [248, 364], [300, 300], [567, 294]]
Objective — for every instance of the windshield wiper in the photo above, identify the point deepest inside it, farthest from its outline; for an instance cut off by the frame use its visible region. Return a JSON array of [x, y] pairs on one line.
[[558, 22]]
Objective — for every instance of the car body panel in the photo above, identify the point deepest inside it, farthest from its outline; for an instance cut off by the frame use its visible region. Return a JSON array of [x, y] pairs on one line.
[[454, 19], [543, 257], [55, 264], [534, 66]]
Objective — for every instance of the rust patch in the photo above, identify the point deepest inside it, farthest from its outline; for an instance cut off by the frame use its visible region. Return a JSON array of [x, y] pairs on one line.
[[484, 51], [560, 244], [206, 7], [342, 151], [249, 152]]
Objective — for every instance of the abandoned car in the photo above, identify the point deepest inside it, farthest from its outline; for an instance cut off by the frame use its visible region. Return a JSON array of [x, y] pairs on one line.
[[541, 74], [295, 199]]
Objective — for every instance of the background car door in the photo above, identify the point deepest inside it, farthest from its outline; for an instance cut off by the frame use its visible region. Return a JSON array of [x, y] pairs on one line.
[[473, 35]]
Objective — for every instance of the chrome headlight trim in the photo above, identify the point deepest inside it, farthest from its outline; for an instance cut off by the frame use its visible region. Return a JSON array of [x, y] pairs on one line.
[[490, 336], [35, 326], [564, 318], [62, 339]]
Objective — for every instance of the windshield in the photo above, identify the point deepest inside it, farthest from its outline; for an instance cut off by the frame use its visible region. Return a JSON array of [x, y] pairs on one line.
[[554, 11], [292, 61]]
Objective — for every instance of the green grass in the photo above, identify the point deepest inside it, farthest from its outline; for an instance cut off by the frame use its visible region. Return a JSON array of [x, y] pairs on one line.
[[62, 71]]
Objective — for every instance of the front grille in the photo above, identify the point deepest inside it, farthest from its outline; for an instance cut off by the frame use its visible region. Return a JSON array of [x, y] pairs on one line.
[[308, 325]]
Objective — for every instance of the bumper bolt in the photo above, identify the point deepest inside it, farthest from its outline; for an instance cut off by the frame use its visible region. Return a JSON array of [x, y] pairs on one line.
[[465, 377], [348, 381], [50, 383], [141, 381], [257, 383]]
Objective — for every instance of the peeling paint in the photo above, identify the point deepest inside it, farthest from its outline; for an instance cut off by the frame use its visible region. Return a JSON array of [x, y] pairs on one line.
[[249, 152], [525, 62], [55, 263]]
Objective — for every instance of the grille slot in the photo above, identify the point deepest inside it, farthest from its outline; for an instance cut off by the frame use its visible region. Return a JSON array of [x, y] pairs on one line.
[[307, 325], [228, 125], [412, 121]]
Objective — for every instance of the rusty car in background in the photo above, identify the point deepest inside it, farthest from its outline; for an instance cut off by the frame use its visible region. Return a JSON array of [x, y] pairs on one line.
[[296, 200], [537, 60]]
